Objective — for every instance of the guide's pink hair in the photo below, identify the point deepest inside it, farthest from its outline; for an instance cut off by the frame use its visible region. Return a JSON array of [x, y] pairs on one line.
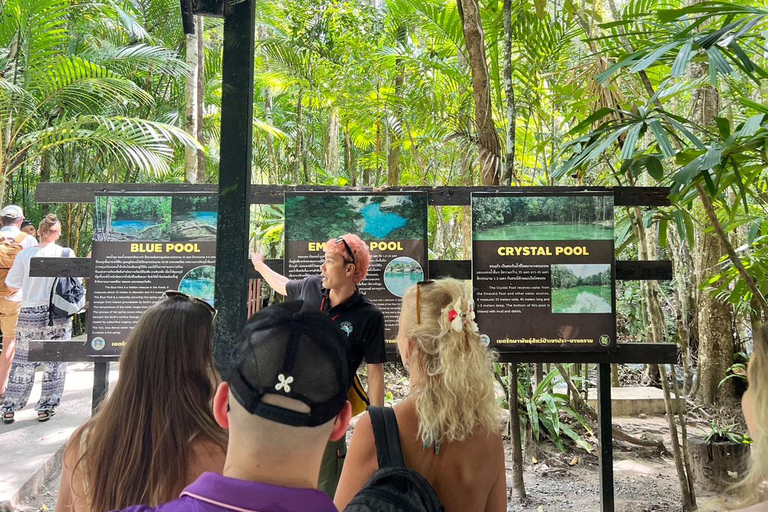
[[359, 250]]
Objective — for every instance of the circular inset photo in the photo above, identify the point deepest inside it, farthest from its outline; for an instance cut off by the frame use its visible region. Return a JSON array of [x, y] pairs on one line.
[[198, 282], [402, 273], [485, 340], [98, 343]]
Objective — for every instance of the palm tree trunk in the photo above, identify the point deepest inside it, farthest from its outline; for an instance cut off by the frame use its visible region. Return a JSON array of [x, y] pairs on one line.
[[332, 156], [190, 110], [509, 89], [200, 99], [393, 158], [299, 136], [487, 138]]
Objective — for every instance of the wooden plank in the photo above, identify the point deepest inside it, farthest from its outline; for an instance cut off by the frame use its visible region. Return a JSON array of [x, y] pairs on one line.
[[633, 270], [626, 270], [84, 192], [275, 194], [460, 196], [58, 350], [641, 353], [60, 267]]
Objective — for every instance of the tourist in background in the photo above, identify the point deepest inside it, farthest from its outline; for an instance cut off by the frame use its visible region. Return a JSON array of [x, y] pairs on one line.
[[12, 241], [33, 325], [29, 228]]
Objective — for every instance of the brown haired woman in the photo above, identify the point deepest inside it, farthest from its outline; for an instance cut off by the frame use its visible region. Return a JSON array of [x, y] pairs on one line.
[[33, 325], [156, 432], [449, 423]]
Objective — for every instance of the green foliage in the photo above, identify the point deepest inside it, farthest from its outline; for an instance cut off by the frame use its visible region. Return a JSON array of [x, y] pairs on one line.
[[546, 412], [726, 433], [738, 370]]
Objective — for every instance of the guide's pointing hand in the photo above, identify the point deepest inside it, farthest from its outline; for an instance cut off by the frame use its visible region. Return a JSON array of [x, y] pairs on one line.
[[257, 257]]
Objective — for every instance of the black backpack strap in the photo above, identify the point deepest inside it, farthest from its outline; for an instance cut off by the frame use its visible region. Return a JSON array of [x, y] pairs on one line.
[[386, 436]]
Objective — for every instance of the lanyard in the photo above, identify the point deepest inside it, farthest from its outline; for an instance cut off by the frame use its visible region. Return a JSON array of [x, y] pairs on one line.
[[322, 306]]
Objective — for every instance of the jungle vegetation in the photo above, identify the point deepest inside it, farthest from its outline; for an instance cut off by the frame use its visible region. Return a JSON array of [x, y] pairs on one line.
[[433, 92]]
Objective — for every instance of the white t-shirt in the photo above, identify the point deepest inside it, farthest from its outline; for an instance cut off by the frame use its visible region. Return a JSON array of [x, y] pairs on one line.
[[36, 291], [11, 232]]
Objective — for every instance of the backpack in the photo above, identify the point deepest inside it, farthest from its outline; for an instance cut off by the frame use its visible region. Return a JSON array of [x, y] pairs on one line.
[[9, 248], [393, 487], [67, 296]]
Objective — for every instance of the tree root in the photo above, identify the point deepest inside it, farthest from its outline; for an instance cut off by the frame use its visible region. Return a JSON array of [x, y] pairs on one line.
[[588, 411]]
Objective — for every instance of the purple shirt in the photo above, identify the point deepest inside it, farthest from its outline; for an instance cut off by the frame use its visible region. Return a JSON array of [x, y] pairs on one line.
[[216, 493]]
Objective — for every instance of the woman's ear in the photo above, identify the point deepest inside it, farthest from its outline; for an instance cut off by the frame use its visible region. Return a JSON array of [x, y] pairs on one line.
[[409, 350], [221, 405]]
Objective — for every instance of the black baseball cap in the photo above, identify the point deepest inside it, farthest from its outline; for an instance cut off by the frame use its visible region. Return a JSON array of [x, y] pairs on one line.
[[290, 351]]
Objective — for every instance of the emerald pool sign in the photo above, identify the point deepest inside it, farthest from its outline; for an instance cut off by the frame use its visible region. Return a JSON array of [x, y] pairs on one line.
[[543, 270], [394, 225]]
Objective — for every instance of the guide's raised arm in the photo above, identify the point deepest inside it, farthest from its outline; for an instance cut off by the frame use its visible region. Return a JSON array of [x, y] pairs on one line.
[[274, 280]]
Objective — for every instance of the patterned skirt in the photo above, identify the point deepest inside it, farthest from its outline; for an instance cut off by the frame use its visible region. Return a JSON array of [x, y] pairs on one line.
[[33, 325]]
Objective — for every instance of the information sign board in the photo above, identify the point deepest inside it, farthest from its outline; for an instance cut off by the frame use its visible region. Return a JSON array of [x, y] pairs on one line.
[[143, 245], [393, 225], [543, 270]]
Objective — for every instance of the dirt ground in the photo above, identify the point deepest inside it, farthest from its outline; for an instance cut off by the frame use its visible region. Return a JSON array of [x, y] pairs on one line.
[[645, 479]]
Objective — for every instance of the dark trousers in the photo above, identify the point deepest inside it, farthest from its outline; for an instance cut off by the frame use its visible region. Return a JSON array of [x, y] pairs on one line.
[[330, 468]]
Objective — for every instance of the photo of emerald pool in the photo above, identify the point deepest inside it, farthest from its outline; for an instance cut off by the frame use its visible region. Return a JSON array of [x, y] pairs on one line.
[[129, 218], [402, 273], [198, 282], [542, 218], [581, 288], [383, 217]]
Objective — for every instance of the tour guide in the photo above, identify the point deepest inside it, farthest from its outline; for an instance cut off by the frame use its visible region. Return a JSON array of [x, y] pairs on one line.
[[335, 292]]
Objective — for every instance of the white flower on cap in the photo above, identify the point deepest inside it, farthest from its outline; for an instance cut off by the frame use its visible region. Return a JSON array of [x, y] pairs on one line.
[[283, 384], [12, 211]]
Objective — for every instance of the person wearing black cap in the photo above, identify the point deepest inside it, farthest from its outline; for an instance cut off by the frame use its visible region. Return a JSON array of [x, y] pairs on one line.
[[28, 228], [283, 397], [336, 293]]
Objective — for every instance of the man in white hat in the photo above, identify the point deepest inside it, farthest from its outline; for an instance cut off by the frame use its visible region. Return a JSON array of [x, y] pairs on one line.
[[12, 241]]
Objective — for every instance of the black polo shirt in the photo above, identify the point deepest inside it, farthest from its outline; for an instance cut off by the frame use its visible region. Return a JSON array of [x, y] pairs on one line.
[[360, 318]]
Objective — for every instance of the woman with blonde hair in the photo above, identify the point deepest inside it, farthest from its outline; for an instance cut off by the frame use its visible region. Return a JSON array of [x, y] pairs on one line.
[[449, 423], [753, 489], [156, 432]]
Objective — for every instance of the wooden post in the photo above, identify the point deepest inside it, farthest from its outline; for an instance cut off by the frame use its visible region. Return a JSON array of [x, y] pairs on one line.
[[231, 288], [606, 437], [100, 383]]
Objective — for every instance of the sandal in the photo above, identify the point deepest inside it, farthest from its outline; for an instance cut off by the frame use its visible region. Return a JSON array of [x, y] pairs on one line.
[[45, 414], [8, 417]]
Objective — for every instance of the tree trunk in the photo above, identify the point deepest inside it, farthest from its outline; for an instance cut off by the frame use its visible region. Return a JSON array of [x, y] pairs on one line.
[[715, 325], [487, 138], [518, 485], [349, 157], [190, 109], [393, 157], [200, 98], [332, 156], [509, 89], [715, 317], [299, 137], [682, 264]]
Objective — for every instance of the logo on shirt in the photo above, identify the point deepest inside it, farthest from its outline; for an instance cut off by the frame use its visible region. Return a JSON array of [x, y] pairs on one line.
[[346, 327]]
